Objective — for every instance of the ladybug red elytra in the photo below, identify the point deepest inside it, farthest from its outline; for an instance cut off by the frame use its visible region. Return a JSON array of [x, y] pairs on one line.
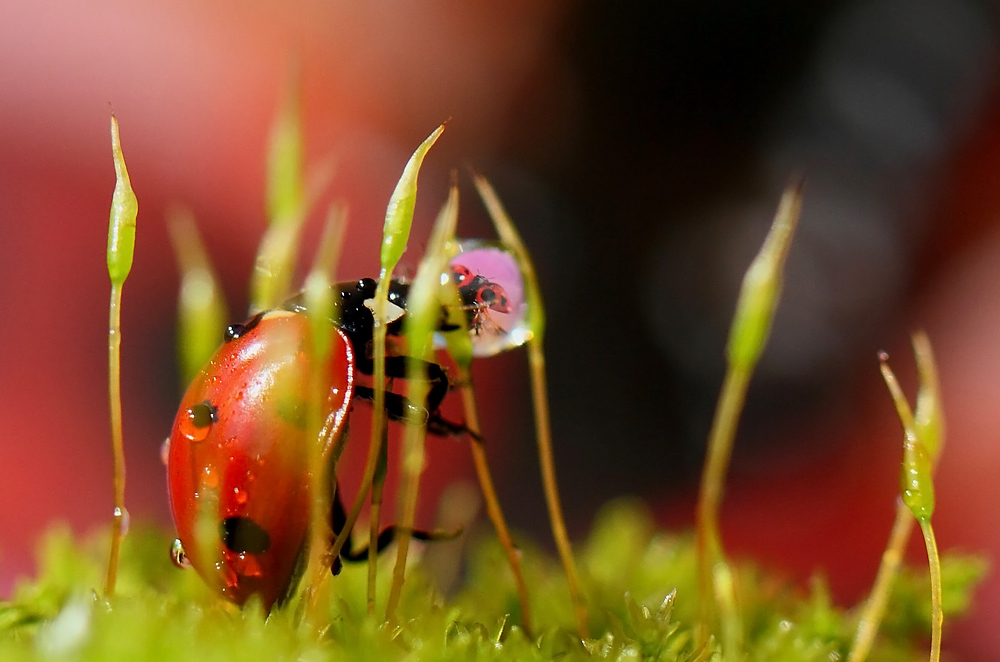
[[237, 457]]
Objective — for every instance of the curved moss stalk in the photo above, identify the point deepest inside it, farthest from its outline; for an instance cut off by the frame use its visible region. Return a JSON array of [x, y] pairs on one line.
[[928, 423], [320, 306], [121, 248], [748, 335], [423, 312], [490, 498], [460, 348], [375, 519], [396, 232], [917, 484], [874, 608], [535, 322], [201, 307], [937, 608], [286, 206]]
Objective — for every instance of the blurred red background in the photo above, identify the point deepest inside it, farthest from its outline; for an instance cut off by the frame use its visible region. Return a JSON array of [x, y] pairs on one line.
[[641, 150]]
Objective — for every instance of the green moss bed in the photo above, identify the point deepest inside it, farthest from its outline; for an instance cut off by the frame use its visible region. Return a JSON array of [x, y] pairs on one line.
[[640, 584]]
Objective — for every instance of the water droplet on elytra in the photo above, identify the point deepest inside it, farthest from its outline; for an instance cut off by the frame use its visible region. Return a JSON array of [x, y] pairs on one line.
[[224, 568], [177, 554], [197, 422], [247, 565], [210, 477]]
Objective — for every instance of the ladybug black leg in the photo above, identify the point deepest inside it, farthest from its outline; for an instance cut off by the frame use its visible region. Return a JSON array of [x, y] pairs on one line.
[[339, 517], [399, 367], [388, 535], [400, 408]]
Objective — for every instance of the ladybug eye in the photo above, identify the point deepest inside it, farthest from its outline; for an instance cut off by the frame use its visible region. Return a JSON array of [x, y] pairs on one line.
[[243, 535]]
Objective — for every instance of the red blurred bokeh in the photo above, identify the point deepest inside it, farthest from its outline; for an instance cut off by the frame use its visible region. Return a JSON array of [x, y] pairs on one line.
[[195, 87]]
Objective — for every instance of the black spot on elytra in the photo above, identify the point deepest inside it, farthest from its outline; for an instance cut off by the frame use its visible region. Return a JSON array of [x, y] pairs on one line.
[[242, 534]]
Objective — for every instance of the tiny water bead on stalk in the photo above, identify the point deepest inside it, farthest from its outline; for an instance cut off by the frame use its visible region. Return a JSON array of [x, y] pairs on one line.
[[748, 335], [916, 481], [929, 424], [121, 247]]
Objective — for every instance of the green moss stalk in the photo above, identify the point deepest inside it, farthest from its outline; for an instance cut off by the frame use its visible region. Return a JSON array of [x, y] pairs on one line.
[[748, 335], [270, 282], [916, 481], [396, 232], [121, 247], [535, 323], [929, 426], [201, 306], [423, 312]]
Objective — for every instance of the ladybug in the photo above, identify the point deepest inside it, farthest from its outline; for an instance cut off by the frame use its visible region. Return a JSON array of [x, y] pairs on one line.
[[238, 453], [479, 296]]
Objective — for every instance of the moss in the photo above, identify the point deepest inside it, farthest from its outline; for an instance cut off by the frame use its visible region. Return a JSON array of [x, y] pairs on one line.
[[640, 583]]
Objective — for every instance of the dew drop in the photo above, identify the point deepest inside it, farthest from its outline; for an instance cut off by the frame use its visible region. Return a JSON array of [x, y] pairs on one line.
[[122, 515], [210, 477], [247, 565], [492, 289], [197, 423], [165, 451], [177, 554], [225, 569]]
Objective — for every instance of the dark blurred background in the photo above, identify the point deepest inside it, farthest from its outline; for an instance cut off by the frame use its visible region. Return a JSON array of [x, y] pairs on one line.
[[641, 147]]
